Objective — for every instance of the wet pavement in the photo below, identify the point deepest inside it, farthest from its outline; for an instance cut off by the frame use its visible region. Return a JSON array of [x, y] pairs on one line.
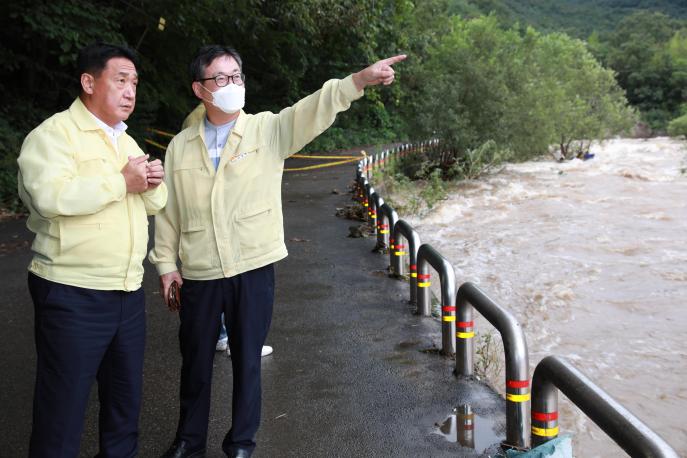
[[348, 376]]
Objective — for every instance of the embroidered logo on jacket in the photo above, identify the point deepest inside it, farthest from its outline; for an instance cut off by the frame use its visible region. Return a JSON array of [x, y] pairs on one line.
[[238, 157]]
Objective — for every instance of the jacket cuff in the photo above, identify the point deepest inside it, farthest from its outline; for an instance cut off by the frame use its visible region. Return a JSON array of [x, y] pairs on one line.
[[165, 267], [349, 89]]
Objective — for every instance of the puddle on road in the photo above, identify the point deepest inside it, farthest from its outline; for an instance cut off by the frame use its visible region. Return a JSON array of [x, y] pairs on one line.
[[468, 429]]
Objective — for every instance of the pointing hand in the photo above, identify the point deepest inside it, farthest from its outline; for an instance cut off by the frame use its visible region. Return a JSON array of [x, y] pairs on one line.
[[379, 72]]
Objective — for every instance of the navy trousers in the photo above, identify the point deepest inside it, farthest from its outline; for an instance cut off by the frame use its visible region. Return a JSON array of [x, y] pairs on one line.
[[83, 335], [246, 300]]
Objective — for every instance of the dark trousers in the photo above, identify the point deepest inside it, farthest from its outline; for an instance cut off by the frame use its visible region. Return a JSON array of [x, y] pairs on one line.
[[246, 301], [84, 335]]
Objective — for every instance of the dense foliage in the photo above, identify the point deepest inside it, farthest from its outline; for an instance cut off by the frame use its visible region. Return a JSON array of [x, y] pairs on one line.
[[491, 87], [649, 53], [577, 18], [523, 91], [643, 41]]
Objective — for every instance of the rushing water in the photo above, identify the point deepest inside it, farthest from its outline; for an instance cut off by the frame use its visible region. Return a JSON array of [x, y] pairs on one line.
[[591, 256]]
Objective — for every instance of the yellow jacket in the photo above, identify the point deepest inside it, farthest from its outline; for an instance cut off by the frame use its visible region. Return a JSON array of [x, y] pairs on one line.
[[226, 222], [89, 231]]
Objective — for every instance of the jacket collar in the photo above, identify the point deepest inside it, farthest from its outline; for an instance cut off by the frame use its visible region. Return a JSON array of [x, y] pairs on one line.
[[84, 119], [238, 129]]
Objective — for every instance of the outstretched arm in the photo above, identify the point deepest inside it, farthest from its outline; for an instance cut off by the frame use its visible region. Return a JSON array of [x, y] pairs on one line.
[[297, 125]]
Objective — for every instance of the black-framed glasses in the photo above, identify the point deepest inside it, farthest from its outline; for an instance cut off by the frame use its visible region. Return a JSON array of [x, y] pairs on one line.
[[222, 80]]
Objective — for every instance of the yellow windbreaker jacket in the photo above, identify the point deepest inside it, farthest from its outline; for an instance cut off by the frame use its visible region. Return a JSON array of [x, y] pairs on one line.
[[226, 222], [89, 231]]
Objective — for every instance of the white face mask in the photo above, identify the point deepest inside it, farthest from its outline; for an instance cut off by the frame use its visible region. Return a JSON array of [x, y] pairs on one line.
[[230, 98]]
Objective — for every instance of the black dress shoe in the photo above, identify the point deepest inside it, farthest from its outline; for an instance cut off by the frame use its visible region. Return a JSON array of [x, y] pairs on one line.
[[180, 449], [239, 452]]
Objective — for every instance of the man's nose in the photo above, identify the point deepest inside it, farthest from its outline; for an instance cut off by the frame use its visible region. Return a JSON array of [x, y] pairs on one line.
[[130, 92]]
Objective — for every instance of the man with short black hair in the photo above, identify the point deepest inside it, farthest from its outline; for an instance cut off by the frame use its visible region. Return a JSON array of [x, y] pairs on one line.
[[89, 189], [224, 222]]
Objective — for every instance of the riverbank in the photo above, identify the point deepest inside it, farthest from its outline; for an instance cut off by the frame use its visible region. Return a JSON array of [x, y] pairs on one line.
[[591, 256]]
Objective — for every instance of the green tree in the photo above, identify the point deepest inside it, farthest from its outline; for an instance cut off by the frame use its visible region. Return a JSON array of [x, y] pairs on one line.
[[638, 50], [522, 90]]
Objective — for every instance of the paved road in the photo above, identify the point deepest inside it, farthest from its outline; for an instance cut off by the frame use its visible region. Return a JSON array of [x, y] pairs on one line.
[[348, 376]]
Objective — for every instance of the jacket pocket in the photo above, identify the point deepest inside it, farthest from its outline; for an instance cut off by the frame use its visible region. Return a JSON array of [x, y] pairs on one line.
[[195, 250], [92, 163], [258, 231], [92, 244]]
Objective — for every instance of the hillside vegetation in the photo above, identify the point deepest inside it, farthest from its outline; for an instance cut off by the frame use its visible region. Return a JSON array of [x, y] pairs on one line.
[[492, 85]]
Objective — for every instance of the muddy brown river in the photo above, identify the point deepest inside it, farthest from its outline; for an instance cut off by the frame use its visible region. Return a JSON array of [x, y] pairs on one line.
[[591, 256]]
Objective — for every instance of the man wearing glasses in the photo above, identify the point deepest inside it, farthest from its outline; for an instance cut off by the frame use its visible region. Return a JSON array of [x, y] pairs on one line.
[[224, 222]]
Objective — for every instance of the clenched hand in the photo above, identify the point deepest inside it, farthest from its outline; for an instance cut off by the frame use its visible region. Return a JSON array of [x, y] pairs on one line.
[[135, 174]]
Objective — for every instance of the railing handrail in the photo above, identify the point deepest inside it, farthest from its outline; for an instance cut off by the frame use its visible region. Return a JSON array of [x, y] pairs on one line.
[[376, 201], [554, 373], [386, 219], [515, 348], [402, 228], [426, 254]]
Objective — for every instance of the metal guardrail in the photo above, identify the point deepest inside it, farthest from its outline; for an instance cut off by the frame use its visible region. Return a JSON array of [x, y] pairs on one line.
[[427, 256], [376, 203], [385, 221], [367, 202], [515, 348], [554, 373], [551, 373], [403, 234]]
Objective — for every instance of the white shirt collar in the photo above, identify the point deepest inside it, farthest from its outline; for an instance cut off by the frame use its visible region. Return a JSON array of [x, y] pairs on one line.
[[113, 133]]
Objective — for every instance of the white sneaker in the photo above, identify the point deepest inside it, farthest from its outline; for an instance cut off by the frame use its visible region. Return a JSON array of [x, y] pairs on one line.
[[221, 344], [266, 350]]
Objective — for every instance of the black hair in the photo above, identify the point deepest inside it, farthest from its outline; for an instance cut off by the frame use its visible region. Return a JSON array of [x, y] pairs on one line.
[[206, 55], [94, 57]]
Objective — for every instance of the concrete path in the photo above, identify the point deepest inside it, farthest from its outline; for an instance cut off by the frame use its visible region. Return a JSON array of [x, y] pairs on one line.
[[348, 377]]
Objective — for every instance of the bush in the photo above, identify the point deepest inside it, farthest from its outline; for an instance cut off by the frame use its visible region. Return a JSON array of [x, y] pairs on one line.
[[678, 126]]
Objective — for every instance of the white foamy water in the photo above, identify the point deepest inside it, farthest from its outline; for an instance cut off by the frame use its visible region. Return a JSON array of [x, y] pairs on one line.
[[591, 256]]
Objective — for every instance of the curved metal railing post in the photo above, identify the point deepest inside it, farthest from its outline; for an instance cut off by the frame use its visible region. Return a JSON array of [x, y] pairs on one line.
[[515, 347], [361, 188], [367, 201], [426, 255], [405, 232], [387, 219], [376, 202], [554, 373], [359, 182]]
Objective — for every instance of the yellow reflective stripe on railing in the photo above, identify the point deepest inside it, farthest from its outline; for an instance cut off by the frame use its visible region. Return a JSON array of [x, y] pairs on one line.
[[465, 335], [449, 318], [383, 231], [400, 253], [545, 432], [518, 397], [424, 284], [413, 274]]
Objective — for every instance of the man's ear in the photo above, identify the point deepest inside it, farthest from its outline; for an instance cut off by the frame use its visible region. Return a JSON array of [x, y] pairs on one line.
[[87, 83], [197, 89]]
